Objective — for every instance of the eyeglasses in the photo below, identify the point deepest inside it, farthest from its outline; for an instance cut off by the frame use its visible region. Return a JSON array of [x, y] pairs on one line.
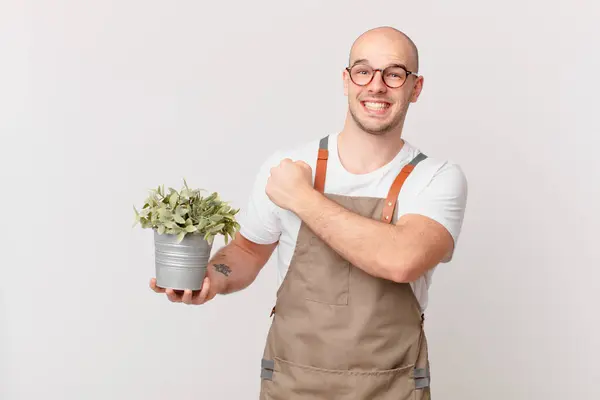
[[393, 76]]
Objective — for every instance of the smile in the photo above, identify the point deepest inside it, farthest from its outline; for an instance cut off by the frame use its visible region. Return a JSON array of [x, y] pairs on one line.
[[376, 107]]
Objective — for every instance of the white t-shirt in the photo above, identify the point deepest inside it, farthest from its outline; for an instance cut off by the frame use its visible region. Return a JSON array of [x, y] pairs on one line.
[[435, 188]]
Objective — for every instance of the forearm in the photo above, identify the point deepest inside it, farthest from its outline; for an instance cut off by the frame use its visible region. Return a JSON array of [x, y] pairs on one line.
[[367, 243], [234, 268], [395, 252], [401, 251]]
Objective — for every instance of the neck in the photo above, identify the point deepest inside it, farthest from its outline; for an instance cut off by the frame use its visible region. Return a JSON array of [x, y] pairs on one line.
[[361, 152]]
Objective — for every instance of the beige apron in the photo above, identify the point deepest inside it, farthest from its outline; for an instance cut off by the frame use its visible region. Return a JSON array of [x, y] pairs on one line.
[[338, 332]]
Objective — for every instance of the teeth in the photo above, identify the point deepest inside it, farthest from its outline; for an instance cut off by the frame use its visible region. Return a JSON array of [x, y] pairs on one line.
[[375, 106]]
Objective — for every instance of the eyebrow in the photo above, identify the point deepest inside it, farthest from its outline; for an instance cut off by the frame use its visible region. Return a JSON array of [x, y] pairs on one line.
[[365, 61]]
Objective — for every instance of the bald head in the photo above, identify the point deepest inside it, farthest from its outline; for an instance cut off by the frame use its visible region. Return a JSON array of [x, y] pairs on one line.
[[386, 39]]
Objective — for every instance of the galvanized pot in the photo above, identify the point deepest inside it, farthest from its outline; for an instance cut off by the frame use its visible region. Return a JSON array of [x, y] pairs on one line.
[[180, 265]]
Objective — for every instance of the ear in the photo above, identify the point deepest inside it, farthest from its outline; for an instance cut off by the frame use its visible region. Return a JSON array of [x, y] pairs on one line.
[[345, 79], [417, 89]]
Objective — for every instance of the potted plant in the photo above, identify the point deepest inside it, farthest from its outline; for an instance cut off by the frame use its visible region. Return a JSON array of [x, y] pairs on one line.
[[185, 224]]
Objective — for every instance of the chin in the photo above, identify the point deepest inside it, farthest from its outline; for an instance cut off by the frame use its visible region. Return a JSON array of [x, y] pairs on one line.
[[377, 128], [376, 123], [377, 131]]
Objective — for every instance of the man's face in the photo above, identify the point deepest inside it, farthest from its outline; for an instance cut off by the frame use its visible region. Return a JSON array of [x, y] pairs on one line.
[[375, 107]]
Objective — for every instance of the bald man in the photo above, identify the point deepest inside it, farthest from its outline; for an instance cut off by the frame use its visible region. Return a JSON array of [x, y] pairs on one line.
[[361, 219]]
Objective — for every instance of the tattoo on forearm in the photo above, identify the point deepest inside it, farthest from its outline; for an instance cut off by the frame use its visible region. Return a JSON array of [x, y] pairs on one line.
[[222, 268]]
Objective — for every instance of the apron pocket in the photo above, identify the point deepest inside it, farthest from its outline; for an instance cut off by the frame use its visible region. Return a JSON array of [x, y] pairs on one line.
[[295, 381], [327, 275]]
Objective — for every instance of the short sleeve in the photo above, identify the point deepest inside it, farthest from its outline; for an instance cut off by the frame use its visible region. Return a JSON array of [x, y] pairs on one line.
[[444, 200], [259, 220]]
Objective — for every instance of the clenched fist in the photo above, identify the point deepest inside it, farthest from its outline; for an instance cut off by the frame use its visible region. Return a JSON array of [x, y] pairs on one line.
[[290, 184]]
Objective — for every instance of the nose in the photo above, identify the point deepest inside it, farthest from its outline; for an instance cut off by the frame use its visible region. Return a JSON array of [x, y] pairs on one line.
[[377, 85]]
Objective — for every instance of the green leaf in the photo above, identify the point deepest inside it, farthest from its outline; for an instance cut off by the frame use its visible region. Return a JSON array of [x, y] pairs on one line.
[[202, 224], [212, 197], [190, 228], [216, 218], [178, 219], [180, 237], [161, 229], [168, 216], [225, 209], [173, 198], [181, 210], [170, 224], [216, 228]]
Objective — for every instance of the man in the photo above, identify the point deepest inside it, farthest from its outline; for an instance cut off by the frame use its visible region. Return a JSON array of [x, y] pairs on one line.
[[361, 219]]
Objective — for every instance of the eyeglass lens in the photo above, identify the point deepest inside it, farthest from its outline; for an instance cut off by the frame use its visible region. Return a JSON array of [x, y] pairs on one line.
[[392, 76]]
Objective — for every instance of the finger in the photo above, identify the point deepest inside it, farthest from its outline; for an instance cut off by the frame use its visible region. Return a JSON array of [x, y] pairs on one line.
[[303, 164], [172, 296], [202, 296], [154, 287], [187, 296]]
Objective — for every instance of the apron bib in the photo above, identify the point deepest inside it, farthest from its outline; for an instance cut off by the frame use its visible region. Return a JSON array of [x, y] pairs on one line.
[[338, 332]]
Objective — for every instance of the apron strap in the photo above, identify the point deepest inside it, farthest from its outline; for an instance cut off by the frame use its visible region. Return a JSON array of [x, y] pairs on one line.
[[321, 170], [392, 197]]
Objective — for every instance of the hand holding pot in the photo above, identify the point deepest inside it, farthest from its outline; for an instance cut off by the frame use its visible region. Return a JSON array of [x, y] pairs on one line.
[[196, 297]]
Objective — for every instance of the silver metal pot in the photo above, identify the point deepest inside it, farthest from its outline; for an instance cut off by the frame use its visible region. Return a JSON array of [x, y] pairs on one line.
[[181, 265]]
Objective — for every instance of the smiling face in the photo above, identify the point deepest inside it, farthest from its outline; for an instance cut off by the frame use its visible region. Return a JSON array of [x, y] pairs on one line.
[[375, 107]]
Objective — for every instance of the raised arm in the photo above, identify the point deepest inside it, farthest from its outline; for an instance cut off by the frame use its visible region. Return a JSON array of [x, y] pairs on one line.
[[423, 236]]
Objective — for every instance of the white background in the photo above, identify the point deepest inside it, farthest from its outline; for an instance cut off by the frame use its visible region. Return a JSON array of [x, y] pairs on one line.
[[102, 100]]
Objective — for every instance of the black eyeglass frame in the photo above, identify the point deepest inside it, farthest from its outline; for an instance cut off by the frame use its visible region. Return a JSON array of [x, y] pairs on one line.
[[408, 73]]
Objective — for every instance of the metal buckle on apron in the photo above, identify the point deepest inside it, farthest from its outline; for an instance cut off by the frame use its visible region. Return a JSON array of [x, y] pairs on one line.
[[422, 378], [267, 367]]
